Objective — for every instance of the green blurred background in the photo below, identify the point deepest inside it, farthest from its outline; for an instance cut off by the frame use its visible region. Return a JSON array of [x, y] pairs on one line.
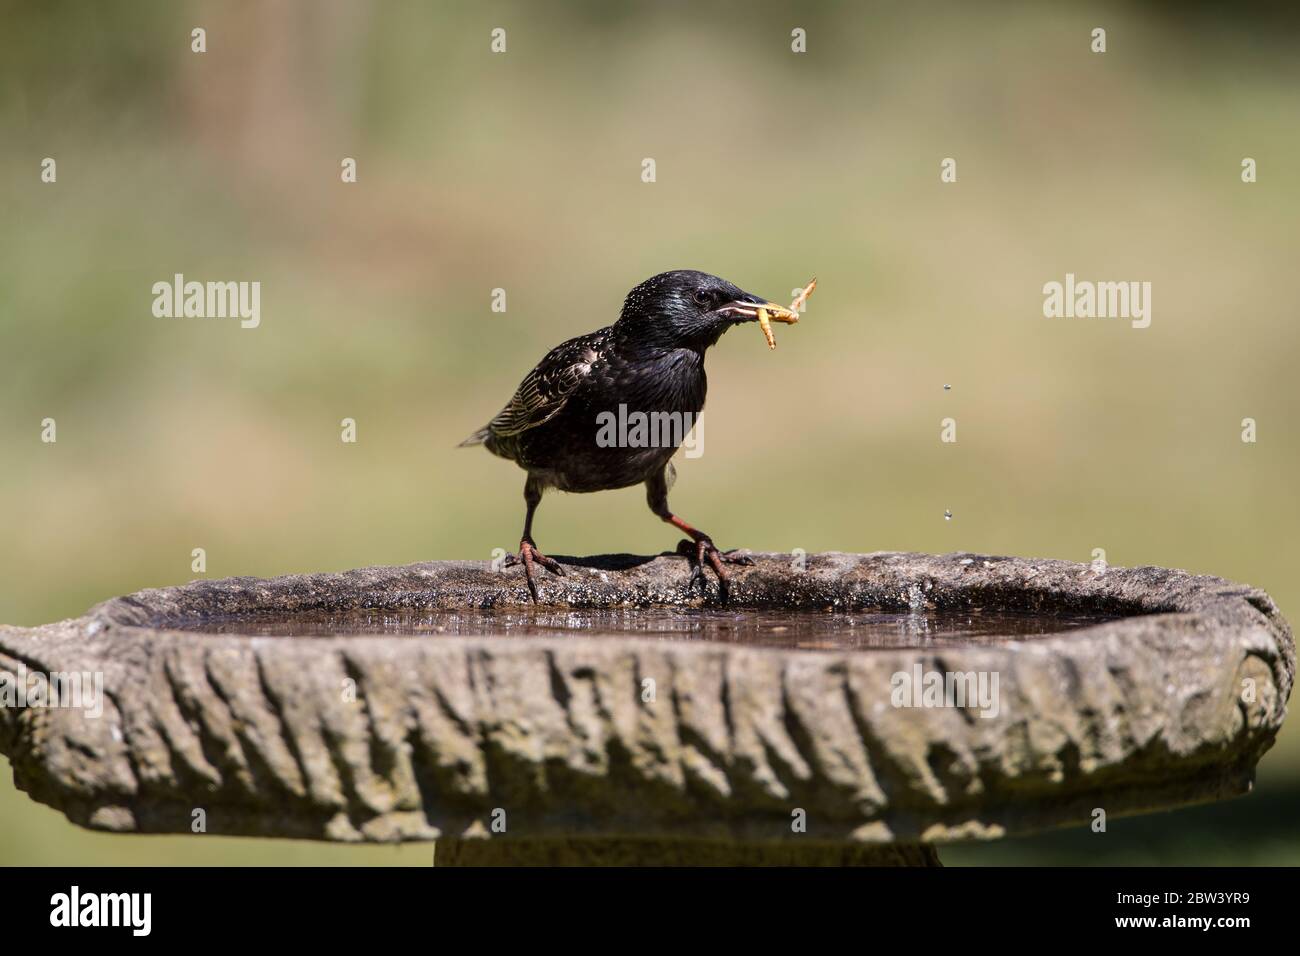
[[522, 171]]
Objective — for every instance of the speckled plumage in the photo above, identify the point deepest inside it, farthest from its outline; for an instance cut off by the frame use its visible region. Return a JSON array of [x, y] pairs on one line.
[[650, 361]]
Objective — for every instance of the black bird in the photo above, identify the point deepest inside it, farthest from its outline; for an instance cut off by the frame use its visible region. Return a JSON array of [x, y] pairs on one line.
[[558, 425]]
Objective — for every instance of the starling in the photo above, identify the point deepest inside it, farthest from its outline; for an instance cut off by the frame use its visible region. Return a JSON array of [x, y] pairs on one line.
[[647, 366]]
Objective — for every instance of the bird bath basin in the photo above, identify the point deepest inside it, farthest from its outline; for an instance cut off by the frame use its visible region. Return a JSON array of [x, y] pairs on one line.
[[756, 627], [842, 709]]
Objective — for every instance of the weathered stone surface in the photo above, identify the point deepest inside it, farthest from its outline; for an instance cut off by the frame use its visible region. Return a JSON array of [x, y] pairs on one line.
[[1141, 713]]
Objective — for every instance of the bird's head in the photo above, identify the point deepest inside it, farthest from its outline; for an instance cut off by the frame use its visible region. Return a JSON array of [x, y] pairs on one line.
[[689, 309]]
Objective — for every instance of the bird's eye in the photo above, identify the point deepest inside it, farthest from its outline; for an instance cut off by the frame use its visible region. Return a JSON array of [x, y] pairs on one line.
[[702, 297]]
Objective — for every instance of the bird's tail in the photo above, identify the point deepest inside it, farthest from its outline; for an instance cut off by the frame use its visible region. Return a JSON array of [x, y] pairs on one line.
[[478, 438]]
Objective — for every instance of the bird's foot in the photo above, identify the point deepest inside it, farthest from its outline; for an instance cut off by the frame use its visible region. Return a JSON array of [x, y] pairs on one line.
[[704, 550], [529, 556]]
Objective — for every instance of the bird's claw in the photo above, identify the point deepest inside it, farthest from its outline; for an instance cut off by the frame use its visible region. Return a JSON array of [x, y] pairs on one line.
[[704, 550], [528, 556]]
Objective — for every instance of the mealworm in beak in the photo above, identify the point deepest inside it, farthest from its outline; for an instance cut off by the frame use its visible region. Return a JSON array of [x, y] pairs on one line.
[[799, 301], [789, 317], [765, 324]]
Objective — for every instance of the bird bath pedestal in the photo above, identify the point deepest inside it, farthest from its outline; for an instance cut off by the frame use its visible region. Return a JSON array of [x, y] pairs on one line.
[[623, 747]]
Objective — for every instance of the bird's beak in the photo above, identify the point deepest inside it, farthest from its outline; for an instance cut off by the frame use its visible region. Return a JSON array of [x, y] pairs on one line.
[[765, 313], [748, 311]]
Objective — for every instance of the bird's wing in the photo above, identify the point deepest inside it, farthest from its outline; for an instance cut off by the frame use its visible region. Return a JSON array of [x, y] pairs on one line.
[[546, 388]]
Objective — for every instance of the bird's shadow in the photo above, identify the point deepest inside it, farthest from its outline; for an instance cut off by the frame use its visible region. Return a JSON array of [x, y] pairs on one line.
[[611, 562]]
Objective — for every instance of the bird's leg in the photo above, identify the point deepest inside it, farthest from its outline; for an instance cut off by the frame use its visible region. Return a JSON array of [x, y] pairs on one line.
[[528, 553], [700, 547]]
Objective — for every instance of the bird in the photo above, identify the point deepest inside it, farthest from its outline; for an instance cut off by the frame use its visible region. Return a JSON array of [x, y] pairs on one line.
[[558, 426]]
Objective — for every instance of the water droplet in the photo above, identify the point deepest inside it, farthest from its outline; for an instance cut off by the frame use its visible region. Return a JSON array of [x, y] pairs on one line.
[[947, 515], [947, 388]]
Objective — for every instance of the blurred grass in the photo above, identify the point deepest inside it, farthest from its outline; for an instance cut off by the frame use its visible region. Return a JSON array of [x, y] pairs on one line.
[[522, 171]]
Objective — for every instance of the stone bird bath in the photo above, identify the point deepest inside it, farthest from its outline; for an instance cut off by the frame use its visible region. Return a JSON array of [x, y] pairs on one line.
[[614, 745]]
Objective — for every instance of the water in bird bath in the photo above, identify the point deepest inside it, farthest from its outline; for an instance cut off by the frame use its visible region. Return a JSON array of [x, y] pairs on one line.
[[807, 629]]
